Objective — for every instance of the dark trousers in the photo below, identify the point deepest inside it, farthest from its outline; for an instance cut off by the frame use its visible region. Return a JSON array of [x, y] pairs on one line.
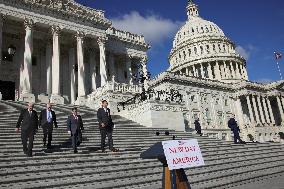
[[47, 133], [76, 138], [27, 136], [236, 136], [108, 133], [198, 131]]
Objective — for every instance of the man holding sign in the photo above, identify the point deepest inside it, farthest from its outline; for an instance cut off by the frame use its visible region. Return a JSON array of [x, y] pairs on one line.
[[182, 154]]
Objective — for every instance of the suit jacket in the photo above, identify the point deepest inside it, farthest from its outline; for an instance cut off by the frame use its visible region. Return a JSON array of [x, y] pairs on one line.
[[104, 117], [197, 125], [28, 122], [43, 118], [232, 124], [74, 125]]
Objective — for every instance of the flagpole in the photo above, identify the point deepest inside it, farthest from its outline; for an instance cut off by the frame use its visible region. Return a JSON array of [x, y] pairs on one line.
[[279, 69], [277, 57]]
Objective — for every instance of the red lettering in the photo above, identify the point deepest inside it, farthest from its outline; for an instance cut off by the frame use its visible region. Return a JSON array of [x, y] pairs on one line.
[[172, 150]]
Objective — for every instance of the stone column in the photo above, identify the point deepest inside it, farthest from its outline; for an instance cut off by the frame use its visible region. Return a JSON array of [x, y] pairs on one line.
[[187, 71], [129, 69], [55, 96], [93, 70], [238, 74], [245, 73], [27, 67], [209, 69], [48, 62], [194, 71], [280, 108], [72, 64], [255, 109], [270, 110], [202, 71], [233, 73], [250, 109], [112, 66], [225, 72], [81, 66], [260, 109], [217, 71], [102, 42], [265, 110], [240, 116]]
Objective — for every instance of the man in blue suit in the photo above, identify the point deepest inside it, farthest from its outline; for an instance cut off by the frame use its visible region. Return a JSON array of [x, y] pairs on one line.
[[47, 119], [232, 124], [74, 127]]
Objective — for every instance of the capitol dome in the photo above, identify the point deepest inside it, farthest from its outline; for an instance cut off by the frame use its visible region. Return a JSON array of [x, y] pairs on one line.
[[201, 49]]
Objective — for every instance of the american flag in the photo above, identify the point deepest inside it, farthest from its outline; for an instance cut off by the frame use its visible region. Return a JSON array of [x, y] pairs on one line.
[[278, 55]]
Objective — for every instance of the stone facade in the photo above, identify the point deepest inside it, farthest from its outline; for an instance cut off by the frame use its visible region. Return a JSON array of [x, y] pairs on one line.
[[64, 51], [68, 53]]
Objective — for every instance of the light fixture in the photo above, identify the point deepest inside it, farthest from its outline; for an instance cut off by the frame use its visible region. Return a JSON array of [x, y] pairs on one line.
[[11, 50]]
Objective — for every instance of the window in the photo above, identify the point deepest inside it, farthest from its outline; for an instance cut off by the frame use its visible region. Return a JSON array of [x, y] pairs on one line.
[[189, 52], [214, 48], [195, 50], [201, 49], [207, 48]]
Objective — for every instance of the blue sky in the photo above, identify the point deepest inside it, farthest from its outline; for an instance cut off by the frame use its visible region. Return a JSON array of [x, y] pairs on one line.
[[256, 27]]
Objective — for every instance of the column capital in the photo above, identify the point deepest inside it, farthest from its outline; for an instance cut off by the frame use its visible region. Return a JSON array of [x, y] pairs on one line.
[[129, 56], [28, 23], [79, 35], [55, 30], [102, 40]]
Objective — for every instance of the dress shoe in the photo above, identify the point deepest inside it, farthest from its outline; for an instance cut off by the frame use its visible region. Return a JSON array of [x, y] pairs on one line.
[[115, 150]]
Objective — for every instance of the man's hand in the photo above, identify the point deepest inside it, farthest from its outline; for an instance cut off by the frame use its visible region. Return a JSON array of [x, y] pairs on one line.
[[103, 125], [69, 132], [17, 130]]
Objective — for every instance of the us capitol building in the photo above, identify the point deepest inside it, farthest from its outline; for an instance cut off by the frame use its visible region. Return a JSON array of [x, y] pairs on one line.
[[63, 52]]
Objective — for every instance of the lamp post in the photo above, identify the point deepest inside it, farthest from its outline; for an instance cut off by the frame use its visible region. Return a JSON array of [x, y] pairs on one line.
[[140, 77]]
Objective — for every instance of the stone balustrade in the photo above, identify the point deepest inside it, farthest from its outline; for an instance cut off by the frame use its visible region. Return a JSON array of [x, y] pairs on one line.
[[127, 36]]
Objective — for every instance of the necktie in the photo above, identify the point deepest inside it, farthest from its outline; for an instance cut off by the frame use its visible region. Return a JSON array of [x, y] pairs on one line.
[[30, 112], [48, 117]]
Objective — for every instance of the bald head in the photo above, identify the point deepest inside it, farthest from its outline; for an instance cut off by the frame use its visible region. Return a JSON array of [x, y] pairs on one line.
[[48, 106], [30, 106]]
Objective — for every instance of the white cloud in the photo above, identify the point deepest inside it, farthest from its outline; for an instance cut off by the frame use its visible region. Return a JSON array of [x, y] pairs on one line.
[[246, 51], [153, 27], [243, 52]]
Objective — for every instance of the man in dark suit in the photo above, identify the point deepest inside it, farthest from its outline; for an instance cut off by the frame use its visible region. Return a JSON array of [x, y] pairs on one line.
[[74, 127], [106, 126], [47, 119], [232, 124], [28, 121], [197, 126]]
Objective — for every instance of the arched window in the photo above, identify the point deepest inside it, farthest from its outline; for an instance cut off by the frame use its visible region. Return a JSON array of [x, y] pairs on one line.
[[207, 30], [189, 52], [184, 55], [207, 49], [201, 49], [202, 31], [179, 56], [214, 48], [192, 30], [195, 50]]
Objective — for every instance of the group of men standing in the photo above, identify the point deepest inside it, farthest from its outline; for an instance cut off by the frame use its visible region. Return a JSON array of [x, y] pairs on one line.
[[29, 122]]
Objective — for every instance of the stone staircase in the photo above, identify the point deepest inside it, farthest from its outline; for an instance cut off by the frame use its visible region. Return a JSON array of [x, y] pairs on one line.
[[227, 165]]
